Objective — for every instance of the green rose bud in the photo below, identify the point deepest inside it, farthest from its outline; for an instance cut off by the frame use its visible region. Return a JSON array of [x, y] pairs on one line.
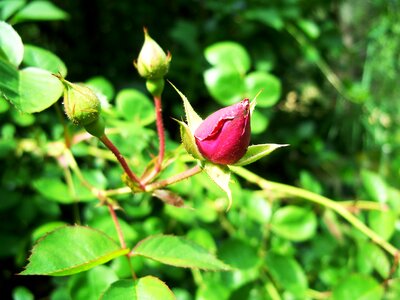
[[152, 62], [83, 107]]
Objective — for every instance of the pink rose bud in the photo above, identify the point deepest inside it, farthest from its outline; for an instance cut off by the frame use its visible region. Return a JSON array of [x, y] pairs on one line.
[[223, 137]]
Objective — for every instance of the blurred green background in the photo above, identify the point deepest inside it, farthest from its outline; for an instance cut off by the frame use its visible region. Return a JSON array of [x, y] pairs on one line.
[[334, 67]]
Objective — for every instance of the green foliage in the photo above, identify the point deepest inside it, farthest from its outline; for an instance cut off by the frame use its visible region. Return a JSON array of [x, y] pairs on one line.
[[144, 288], [70, 250], [176, 251], [325, 85]]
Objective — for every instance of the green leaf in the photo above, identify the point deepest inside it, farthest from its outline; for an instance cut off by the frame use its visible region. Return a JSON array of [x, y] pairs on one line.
[[268, 17], [101, 85], [145, 288], [294, 223], [239, 254], [38, 57], [39, 11], [371, 257], [54, 189], [257, 208], [135, 106], [382, 222], [91, 285], [178, 252], [375, 186], [71, 249], [22, 293], [309, 28], [9, 80], [228, 55], [268, 84], [310, 183], [10, 7], [11, 47], [203, 238], [38, 90], [287, 273], [227, 86], [258, 122], [357, 287], [46, 228], [221, 176], [192, 118], [256, 152], [393, 290], [189, 141]]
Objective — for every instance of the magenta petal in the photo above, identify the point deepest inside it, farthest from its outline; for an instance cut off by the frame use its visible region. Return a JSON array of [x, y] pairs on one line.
[[223, 137]]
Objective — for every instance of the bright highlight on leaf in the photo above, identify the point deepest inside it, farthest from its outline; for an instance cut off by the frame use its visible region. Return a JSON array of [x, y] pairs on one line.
[[71, 249], [148, 288], [178, 252]]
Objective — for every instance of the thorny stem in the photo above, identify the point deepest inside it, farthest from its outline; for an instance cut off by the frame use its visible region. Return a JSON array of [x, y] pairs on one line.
[[161, 140], [174, 179], [120, 236], [160, 132], [106, 141], [321, 200]]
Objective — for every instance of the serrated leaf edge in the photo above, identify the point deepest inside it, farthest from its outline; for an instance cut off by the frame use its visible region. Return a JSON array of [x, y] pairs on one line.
[[226, 267], [61, 271]]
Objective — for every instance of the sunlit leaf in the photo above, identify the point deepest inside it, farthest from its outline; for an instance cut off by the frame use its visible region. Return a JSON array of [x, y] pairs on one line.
[[38, 57], [135, 106], [40, 11], [357, 287], [228, 55], [294, 223], [71, 249], [179, 252], [145, 288], [287, 273], [269, 84], [11, 47], [226, 85]]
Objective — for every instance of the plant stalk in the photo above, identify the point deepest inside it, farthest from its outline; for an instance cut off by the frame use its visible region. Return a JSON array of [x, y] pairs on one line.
[[174, 179], [321, 200], [107, 142], [121, 237]]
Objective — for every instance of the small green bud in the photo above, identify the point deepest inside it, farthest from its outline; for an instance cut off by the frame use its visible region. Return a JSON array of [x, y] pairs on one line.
[[83, 107], [80, 103], [152, 62], [155, 86]]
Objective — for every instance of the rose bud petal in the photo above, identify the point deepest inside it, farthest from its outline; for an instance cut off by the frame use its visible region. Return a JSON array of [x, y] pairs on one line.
[[223, 137]]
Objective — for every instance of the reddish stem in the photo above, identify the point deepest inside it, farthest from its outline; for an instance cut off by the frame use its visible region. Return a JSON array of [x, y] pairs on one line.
[[120, 237], [160, 132], [117, 226], [121, 160], [176, 178]]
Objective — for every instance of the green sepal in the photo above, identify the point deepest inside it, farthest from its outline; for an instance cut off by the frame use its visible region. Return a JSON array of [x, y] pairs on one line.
[[96, 128], [188, 140], [192, 118], [155, 86], [221, 175], [255, 152]]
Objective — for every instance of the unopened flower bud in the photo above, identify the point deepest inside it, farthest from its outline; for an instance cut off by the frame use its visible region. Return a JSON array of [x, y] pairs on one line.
[[224, 136], [152, 62], [83, 107]]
